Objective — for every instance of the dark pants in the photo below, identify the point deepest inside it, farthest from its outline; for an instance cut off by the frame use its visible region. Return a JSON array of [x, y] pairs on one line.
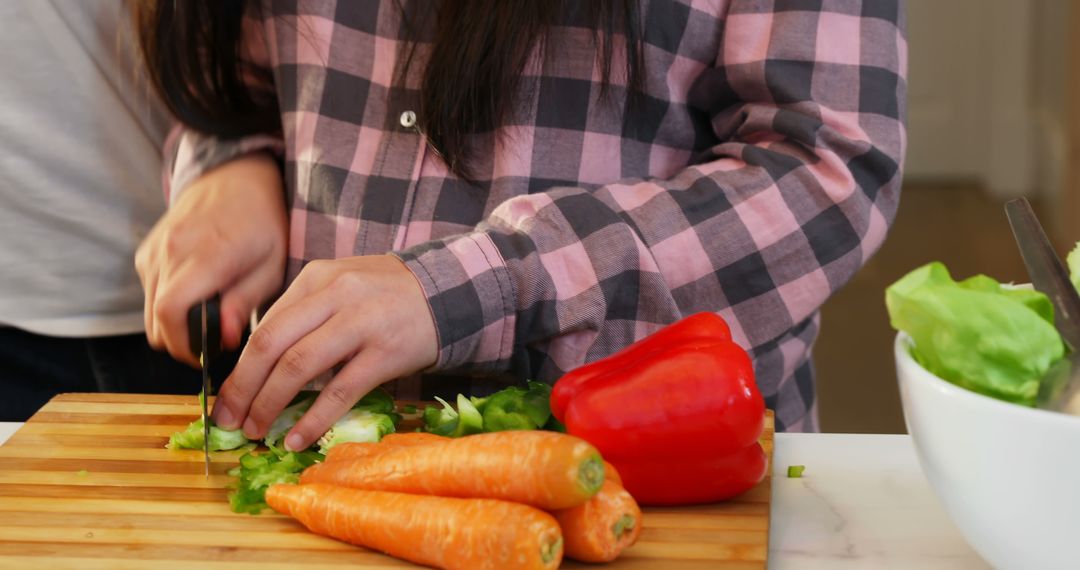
[[34, 368]]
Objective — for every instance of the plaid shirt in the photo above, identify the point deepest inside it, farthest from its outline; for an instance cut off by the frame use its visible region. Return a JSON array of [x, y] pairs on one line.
[[760, 171]]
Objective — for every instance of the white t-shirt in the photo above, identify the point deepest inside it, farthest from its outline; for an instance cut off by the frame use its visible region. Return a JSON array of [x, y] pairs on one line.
[[80, 159]]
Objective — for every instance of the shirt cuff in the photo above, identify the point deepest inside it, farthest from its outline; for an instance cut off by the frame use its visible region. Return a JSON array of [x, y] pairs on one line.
[[472, 301], [197, 154]]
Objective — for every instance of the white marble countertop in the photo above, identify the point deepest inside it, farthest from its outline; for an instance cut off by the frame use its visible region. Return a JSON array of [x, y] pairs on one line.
[[861, 503]]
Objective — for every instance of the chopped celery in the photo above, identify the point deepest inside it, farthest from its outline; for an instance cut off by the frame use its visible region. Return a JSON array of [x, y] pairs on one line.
[[192, 438], [358, 425], [287, 419], [516, 408], [512, 408], [257, 472], [453, 423]]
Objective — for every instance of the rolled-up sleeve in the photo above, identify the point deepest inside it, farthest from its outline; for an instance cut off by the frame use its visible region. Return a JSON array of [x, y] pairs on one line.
[[189, 155]]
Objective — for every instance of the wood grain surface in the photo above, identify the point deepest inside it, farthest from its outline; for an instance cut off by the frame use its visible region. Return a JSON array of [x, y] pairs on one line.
[[87, 483]]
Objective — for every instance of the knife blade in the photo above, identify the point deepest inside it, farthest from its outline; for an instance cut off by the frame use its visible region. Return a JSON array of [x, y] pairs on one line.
[[204, 336], [1060, 389]]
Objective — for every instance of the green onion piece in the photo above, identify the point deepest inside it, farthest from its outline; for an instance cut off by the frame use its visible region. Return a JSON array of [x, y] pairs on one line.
[[795, 471]]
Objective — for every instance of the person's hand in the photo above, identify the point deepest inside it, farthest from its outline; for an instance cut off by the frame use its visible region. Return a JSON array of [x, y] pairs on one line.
[[367, 312], [226, 234]]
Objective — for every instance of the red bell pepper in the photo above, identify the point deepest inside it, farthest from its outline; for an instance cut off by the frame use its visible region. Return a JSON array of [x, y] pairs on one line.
[[706, 328], [677, 413], [693, 479]]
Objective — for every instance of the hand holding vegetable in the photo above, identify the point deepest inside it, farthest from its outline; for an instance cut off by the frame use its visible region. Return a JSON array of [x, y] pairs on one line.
[[368, 312]]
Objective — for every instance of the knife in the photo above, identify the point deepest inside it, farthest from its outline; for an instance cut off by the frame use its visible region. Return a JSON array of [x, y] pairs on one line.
[[204, 338], [1060, 389]]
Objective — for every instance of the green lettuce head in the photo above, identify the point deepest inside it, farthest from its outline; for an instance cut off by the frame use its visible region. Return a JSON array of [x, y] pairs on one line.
[[975, 333]]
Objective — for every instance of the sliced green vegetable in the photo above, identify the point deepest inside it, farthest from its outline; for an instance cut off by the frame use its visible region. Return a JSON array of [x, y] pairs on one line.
[[358, 425], [537, 402], [517, 409], [257, 472], [377, 401], [795, 471], [553, 424], [465, 420], [975, 333], [409, 409], [220, 439], [469, 419], [512, 408], [288, 418]]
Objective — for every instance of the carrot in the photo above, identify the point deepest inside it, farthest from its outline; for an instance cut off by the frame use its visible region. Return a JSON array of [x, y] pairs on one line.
[[407, 438], [600, 529], [435, 531], [366, 450], [611, 474], [355, 450], [548, 470]]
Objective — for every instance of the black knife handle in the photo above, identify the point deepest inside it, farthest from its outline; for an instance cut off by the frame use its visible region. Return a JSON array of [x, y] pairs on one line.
[[213, 328]]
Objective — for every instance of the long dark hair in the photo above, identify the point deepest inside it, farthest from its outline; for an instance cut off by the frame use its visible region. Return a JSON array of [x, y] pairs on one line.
[[194, 55]]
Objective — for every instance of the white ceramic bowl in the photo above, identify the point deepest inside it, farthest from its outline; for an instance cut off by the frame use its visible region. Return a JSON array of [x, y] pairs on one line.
[[1009, 476]]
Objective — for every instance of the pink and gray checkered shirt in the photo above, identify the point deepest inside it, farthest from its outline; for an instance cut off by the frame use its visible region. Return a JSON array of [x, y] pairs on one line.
[[760, 171]]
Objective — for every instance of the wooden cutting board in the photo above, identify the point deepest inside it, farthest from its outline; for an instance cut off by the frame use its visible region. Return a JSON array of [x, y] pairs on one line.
[[87, 483]]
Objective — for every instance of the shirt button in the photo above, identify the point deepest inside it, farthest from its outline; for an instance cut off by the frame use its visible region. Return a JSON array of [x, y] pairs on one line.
[[408, 119]]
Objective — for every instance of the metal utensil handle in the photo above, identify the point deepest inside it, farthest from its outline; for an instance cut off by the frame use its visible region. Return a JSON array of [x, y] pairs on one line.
[[1047, 272]]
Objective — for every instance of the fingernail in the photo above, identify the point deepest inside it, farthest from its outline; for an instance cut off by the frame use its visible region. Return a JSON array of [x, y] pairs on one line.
[[250, 429], [224, 417], [294, 442]]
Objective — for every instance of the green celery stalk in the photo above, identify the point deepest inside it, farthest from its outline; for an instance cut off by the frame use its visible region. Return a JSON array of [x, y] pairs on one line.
[[256, 472]]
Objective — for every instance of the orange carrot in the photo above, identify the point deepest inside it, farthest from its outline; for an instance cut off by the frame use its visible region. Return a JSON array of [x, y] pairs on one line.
[[548, 470], [611, 474], [407, 438], [354, 450], [603, 527], [413, 438], [435, 531], [366, 450]]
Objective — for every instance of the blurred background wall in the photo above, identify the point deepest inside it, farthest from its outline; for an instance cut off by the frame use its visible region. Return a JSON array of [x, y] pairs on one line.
[[993, 113]]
